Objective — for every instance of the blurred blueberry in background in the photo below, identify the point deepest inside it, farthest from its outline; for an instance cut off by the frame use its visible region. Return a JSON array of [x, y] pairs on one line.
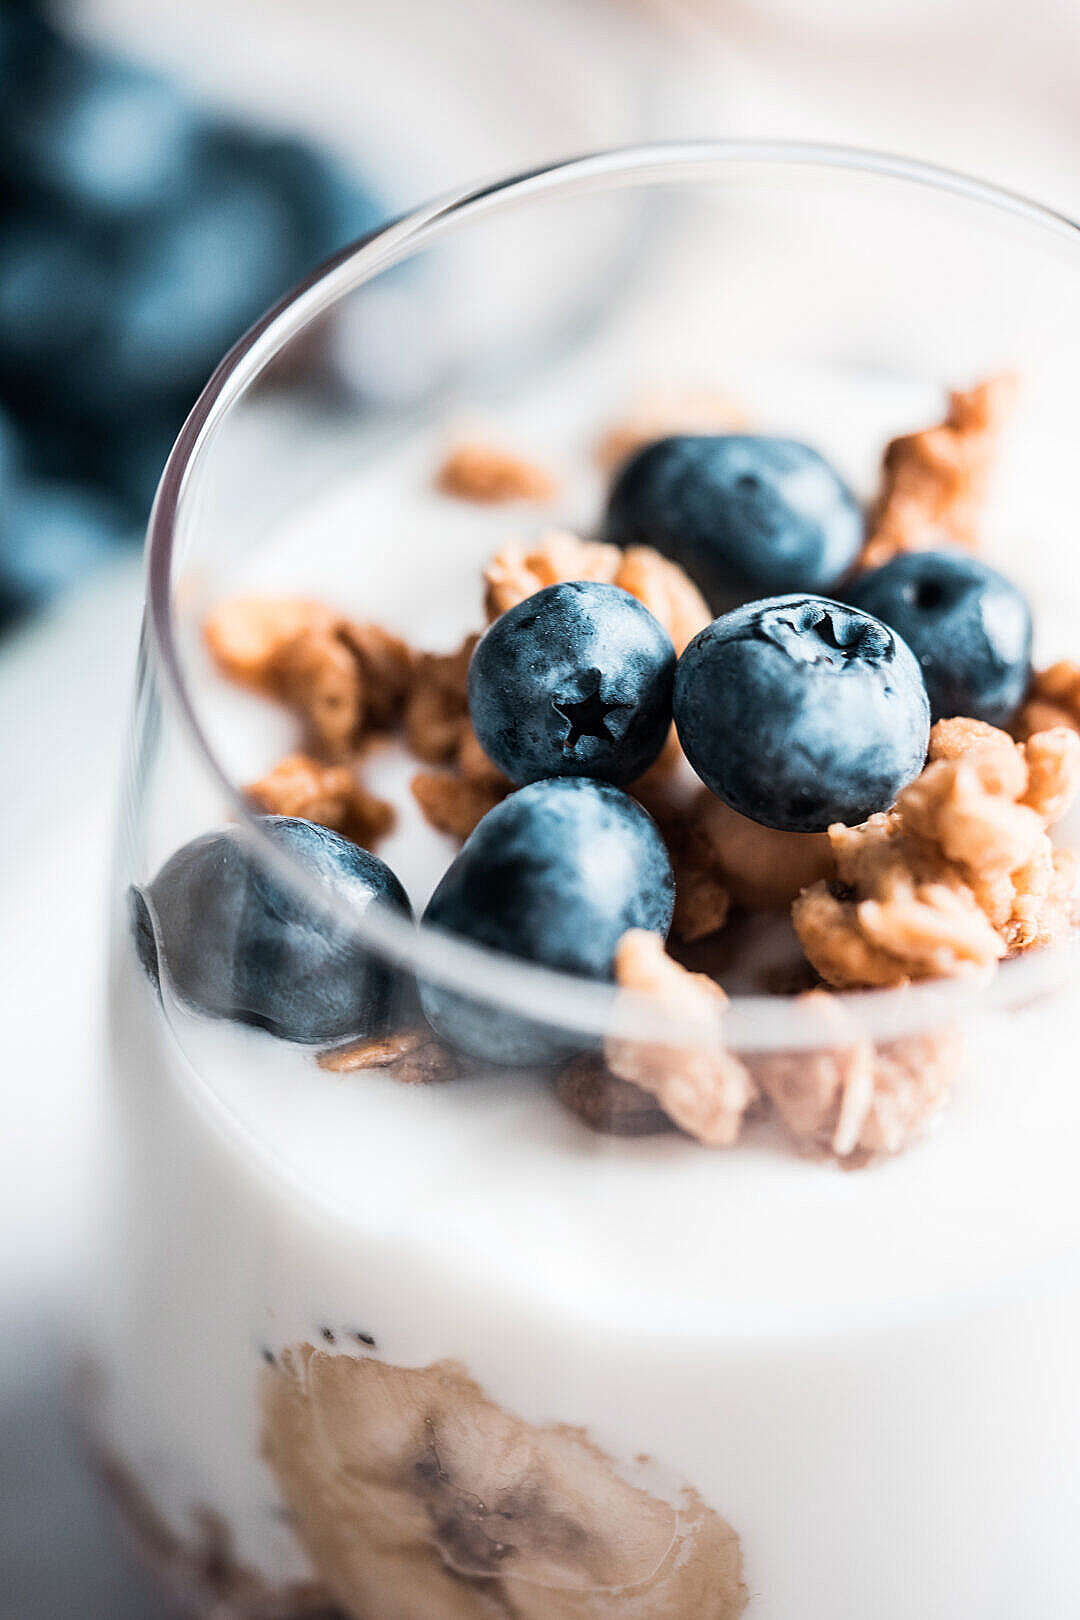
[[55, 287], [140, 234], [93, 132], [9, 456], [54, 532], [187, 288]]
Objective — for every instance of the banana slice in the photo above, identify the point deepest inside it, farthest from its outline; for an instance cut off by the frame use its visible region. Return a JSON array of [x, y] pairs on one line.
[[417, 1498]]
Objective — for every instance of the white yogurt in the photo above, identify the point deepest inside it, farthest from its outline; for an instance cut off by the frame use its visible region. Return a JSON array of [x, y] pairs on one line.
[[868, 1375]]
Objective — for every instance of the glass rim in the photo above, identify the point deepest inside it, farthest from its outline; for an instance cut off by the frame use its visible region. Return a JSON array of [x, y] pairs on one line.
[[764, 1022]]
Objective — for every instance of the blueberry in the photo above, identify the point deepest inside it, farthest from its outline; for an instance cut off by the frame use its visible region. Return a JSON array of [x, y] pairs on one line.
[[28, 45], [193, 290], [192, 284], [739, 512], [55, 287], [254, 216], [10, 458], [799, 712], [554, 875], [97, 134], [137, 456], [51, 535], [329, 207], [58, 446], [236, 943], [573, 681], [969, 627]]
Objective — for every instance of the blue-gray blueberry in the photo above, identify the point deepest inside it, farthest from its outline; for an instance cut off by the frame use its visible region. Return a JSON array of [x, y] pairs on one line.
[[574, 681], [742, 513], [554, 876], [52, 533], [96, 134], [234, 941], [969, 627], [798, 712]]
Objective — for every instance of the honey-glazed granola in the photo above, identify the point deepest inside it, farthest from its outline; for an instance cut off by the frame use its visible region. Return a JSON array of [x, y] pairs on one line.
[[759, 868], [935, 482], [958, 875], [454, 801], [319, 676], [388, 667], [855, 1099], [246, 634], [845, 1095], [666, 590], [436, 711], [342, 679], [606, 1103], [475, 766], [1053, 700], [702, 899], [701, 1086], [453, 804], [521, 569], [518, 571], [299, 785], [490, 474]]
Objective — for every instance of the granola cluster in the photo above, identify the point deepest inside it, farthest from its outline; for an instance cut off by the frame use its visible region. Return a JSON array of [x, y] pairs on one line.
[[436, 715], [439, 731], [844, 1096], [486, 473], [935, 482], [857, 1100], [959, 874], [721, 859], [329, 794], [520, 570], [344, 680], [246, 635], [700, 1085], [452, 802], [667, 591], [1053, 700], [670, 595], [600, 1099]]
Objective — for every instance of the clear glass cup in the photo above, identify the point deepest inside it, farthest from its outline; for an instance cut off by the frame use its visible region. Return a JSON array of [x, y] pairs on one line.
[[436, 1352]]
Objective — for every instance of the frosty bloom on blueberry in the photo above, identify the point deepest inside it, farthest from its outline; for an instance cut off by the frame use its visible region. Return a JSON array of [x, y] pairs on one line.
[[969, 627], [556, 874], [574, 681], [740, 512], [799, 712], [236, 943]]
